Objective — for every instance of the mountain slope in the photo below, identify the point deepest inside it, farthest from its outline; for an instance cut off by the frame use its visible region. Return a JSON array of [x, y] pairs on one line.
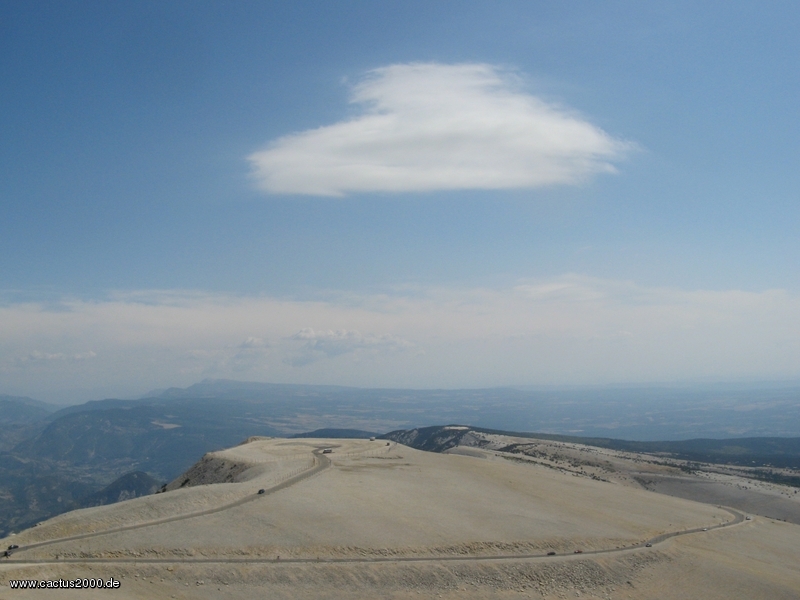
[[130, 485], [19, 410], [371, 520], [162, 440], [747, 452]]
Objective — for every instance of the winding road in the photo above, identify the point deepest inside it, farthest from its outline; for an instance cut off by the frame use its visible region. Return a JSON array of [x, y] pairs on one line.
[[322, 462]]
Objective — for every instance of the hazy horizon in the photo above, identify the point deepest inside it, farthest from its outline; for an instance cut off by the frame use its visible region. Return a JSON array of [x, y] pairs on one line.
[[423, 195], [79, 397]]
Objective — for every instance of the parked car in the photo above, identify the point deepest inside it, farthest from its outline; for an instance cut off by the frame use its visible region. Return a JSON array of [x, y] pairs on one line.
[[327, 450]]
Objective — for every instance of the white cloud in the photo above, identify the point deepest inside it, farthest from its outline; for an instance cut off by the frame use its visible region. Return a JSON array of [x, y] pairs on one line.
[[253, 342], [326, 344], [429, 126], [37, 356], [569, 329]]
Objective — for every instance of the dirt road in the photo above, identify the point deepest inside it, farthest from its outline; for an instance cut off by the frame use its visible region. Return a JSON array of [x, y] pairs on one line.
[[322, 462]]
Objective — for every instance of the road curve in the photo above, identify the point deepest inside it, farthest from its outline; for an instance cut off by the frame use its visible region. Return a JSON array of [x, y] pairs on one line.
[[738, 518], [321, 462]]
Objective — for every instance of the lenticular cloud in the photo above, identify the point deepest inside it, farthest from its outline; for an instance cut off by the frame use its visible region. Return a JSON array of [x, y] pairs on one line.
[[427, 127]]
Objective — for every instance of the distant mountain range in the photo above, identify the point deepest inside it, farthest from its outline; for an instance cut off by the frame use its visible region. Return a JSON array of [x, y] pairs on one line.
[[53, 460], [17, 410]]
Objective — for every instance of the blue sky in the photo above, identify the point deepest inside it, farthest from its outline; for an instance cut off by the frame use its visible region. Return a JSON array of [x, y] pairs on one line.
[[411, 194]]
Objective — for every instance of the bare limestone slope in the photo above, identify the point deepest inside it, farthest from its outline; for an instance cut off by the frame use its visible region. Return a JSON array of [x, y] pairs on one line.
[[377, 520]]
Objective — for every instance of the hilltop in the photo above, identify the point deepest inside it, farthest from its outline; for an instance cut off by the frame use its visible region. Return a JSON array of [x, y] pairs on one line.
[[52, 460], [381, 519]]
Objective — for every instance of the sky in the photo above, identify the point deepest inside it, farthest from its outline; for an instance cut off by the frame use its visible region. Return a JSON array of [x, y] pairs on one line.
[[397, 194]]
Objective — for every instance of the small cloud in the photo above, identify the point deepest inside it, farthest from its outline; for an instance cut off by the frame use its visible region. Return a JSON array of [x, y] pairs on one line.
[[43, 357], [429, 126], [566, 289], [318, 345], [254, 342]]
